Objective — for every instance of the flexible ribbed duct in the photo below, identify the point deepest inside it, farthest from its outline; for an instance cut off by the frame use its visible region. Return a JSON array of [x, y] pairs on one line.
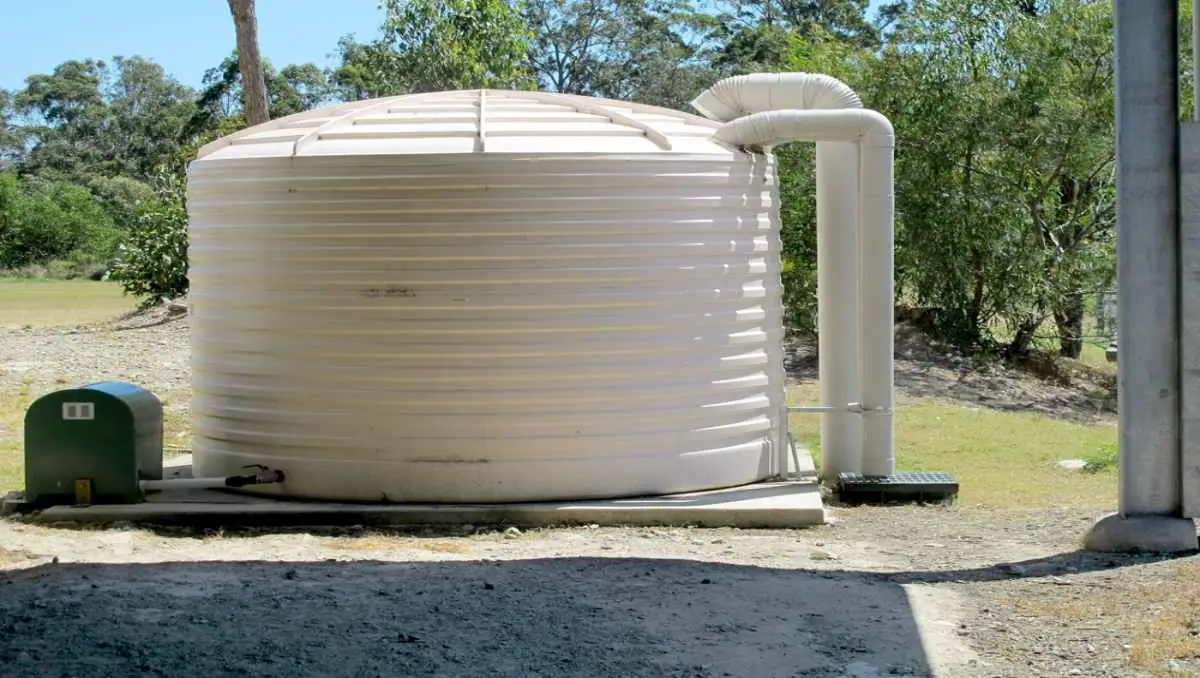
[[741, 95], [854, 240]]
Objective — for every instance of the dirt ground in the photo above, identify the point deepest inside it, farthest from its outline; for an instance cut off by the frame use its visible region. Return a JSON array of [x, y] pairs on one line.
[[881, 592], [908, 591]]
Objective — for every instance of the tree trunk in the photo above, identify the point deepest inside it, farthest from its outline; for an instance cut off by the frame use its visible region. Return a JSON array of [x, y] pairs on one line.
[[1068, 317], [254, 85], [1022, 340]]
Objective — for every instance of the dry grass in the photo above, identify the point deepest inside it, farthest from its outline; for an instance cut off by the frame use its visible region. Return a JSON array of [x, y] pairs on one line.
[[177, 424], [1160, 614], [39, 303], [1001, 459], [1093, 356], [13, 404], [389, 543], [8, 557]]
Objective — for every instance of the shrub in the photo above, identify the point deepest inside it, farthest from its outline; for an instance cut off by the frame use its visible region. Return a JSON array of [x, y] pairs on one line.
[[1103, 459], [152, 260]]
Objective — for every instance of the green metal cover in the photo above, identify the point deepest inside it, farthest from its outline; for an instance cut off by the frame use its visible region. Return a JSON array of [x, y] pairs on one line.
[[110, 433]]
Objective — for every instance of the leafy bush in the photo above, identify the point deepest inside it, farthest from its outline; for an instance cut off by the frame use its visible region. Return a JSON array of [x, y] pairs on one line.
[[95, 234], [52, 221], [152, 261], [1104, 458], [120, 197], [798, 216]]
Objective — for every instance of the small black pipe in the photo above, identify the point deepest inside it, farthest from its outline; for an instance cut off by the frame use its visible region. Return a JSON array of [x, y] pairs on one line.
[[267, 477]]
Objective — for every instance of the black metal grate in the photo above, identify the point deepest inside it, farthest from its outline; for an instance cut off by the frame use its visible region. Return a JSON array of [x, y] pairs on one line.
[[912, 486]]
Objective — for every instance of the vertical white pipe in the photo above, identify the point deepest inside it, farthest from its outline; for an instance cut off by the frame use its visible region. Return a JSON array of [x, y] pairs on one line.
[[877, 310], [1148, 255], [838, 304], [778, 377]]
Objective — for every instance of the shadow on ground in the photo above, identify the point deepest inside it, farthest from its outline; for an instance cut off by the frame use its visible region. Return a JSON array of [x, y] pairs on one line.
[[587, 617]]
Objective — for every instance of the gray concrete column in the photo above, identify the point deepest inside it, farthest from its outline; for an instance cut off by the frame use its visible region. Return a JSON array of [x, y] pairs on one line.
[[1147, 110], [1189, 320]]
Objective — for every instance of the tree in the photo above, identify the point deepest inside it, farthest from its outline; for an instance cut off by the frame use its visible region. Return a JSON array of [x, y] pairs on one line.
[[1062, 136], [430, 45], [569, 38], [66, 117], [648, 51], [844, 20], [147, 112], [12, 137], [120, 196], [752, 48], [91, 118], [219, 109], [1004, 189], [355, 78], [254, 92], [296, 88]]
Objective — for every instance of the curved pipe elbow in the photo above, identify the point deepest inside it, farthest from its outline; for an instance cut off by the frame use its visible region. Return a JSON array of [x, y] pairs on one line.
[[740, 95], [771, 128]]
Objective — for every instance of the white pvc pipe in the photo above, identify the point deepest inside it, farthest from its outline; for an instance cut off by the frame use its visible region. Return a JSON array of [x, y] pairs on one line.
[[181, 484], [877, 290], [873, 297], [838, 304], [837, 173], [266, 478]]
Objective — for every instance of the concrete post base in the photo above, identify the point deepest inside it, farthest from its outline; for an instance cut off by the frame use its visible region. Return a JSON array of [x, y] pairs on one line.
[[1160, 534]]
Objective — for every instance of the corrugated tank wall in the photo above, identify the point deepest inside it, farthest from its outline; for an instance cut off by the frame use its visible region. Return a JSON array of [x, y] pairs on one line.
[[487, 327]]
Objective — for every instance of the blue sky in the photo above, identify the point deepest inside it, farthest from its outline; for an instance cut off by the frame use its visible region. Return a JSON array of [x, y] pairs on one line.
[[186, 36]]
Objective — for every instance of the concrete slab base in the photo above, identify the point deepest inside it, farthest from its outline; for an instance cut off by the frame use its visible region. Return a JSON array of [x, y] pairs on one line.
[[1158, 534], [795, 502]]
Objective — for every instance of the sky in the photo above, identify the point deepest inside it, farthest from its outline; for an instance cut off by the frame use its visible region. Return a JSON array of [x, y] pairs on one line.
[[187, 37]]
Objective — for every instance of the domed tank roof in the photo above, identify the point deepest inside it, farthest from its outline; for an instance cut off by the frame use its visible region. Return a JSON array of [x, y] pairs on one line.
[[474, 121]]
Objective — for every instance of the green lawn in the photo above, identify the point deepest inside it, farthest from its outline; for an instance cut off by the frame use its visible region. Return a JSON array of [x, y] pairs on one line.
[[37, 303], [1001, 459]]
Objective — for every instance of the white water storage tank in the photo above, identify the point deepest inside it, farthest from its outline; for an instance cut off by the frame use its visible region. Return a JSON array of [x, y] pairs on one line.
[[486, 296]]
